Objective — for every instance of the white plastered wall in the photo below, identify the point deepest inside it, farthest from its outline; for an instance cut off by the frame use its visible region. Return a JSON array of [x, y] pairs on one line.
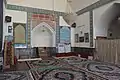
[[17, 16], [99, 23], [83, 25], [100, 30], [4, 28]]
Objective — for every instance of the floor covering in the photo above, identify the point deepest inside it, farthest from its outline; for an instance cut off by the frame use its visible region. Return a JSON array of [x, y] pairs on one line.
[[72, 68], [15, 75], [61, 69]]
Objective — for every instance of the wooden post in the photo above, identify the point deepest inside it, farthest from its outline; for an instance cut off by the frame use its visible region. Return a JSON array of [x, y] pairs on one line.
[[12, 53], [5, 52]]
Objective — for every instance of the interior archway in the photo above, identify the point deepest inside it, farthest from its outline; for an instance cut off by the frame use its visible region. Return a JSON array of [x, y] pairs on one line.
[[43, 36], [19, 34], [109, 21]]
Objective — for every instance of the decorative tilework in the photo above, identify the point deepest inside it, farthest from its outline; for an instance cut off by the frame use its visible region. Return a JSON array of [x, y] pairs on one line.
[[30, 11], [57, 32], [91, 28], [93, 6], [33, 10], [29, 29]]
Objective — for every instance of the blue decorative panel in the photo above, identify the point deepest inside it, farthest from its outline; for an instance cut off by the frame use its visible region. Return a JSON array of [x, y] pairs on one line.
[[65, 34], [65, 38], [20, 45]]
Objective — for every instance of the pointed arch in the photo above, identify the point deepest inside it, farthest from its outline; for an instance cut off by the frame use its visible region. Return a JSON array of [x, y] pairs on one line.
[[38, 35]]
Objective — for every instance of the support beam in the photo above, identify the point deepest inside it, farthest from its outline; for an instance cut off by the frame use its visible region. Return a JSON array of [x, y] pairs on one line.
[[93, 6]]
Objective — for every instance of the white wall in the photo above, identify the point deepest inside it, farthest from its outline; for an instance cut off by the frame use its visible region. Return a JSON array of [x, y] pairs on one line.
[[59, 5], [82, 20], [5, 25], [4, 28], [101, 16], [100, 30], [72, 37], [17, 16]]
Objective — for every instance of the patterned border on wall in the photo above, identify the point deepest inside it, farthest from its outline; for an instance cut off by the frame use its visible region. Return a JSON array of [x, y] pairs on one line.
[[91, 28], [93, 6], [29, 16], [29, 29], [34, 10], [57, 31], [31, 11]]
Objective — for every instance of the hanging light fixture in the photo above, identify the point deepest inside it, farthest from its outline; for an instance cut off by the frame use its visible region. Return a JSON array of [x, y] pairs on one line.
[[71, 16]]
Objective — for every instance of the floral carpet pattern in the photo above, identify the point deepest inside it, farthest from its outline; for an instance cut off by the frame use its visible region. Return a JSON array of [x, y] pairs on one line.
[[59, 70], [16, 75], [72, 68], [105, 70]]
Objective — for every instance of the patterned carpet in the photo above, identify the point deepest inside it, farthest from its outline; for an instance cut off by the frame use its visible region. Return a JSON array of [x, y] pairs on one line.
[[16, 75], [105, 70], [59, 70], [72, 68]]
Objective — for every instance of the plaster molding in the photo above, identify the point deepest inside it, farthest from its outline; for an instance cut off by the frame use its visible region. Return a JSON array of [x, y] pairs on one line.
[[34, 10]]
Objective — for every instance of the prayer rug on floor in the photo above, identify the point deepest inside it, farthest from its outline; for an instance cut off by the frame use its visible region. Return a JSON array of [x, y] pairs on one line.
[[58, 70], [105, 70], [16, 75]]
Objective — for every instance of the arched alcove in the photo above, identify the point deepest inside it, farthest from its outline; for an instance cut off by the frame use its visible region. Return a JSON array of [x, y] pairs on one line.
[[43, 36], [108, 21], [19, 33]]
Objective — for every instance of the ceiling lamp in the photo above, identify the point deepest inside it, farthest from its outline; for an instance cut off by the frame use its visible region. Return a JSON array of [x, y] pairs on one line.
[[71, 15]]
